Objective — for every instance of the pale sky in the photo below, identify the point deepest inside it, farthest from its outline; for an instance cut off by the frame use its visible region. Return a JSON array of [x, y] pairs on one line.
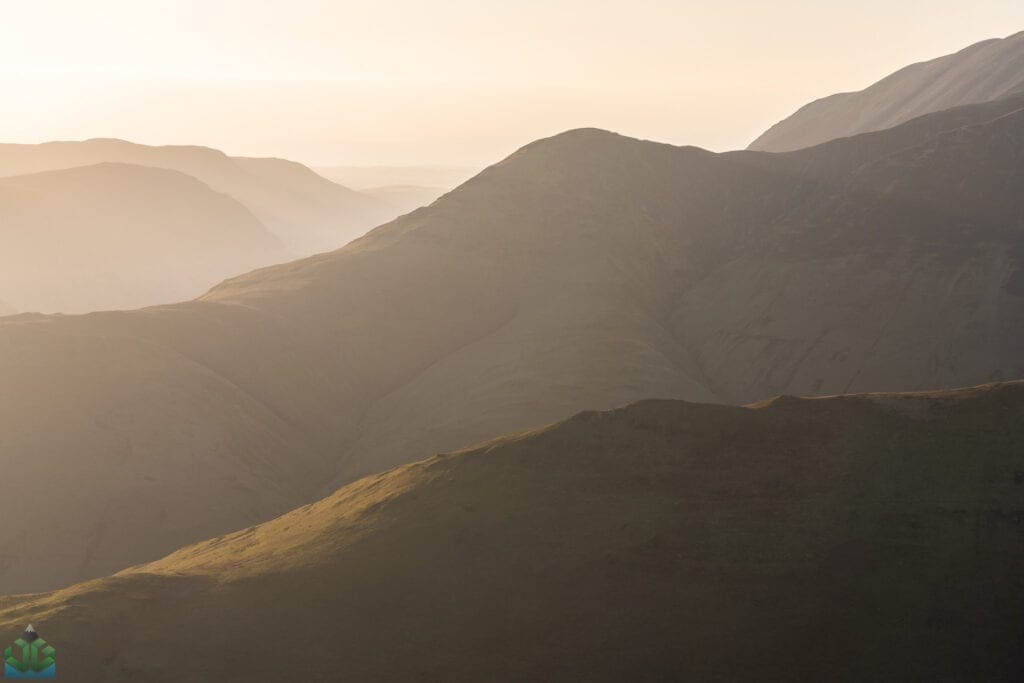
[[460, 82]]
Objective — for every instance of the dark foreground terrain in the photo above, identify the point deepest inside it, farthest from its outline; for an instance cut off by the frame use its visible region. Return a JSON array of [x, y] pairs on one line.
[[866, 538]]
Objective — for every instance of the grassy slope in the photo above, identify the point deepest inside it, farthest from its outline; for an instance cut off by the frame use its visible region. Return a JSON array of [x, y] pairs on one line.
[[870, 537]]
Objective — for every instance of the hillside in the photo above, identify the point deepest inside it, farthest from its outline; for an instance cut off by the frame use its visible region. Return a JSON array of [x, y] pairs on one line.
[[871, 537], [984, 71], [586, 271], [304, 210], [119, 236]]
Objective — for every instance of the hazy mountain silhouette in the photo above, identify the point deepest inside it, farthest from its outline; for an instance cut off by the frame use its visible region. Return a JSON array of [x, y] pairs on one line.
[[403, 188], [364, 178], [587, 270], [872, 537], [120, 236], [306, 211], [984, 71], [405, 198]]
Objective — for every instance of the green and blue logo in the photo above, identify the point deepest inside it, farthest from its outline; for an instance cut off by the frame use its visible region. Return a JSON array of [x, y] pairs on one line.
[[30, 657]]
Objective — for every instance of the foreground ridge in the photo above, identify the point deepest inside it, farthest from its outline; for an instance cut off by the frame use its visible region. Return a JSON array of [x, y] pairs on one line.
[[869, 537]]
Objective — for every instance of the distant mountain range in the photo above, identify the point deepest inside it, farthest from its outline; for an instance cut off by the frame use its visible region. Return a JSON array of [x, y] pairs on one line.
[[306, 211], [861, 538], [405, 198], [65, 252], [404, 188], [586, 271], [117, 235], [985, 71], [363, 178]]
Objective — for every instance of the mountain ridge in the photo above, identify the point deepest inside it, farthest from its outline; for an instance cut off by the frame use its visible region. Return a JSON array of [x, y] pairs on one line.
[[874, 557], [981, 72]]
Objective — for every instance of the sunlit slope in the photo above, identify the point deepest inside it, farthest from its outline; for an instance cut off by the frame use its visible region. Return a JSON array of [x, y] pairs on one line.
[[868, 537], [586, 271], [981, 72]]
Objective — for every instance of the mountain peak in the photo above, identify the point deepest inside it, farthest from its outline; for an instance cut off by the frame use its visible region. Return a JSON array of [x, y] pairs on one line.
[[575, 138]]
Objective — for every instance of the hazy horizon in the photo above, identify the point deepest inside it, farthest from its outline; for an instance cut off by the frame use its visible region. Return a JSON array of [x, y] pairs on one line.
[[455, 83]]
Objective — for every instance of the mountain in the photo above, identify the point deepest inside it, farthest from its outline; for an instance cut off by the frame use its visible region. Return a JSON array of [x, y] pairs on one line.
[[121, 236], [306, 211], [586, 271], [872, 537], [984, 71]]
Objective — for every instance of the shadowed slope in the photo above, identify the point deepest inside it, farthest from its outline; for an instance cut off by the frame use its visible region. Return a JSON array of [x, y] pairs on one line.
[[867, 537], [985, 71], [836, 159], [585, 271], [120, 236]]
